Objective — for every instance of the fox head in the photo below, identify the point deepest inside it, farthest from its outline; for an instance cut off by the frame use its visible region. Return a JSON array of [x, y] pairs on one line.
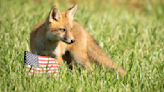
[[60, 25]]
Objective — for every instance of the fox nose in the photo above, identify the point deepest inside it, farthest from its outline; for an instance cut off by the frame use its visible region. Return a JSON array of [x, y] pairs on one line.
[[72, 41]]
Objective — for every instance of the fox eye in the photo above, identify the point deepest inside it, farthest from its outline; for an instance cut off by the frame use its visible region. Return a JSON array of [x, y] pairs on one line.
[[63, 30]]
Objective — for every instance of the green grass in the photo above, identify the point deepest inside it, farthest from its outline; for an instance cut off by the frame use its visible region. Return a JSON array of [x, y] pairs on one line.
[[132, 39]]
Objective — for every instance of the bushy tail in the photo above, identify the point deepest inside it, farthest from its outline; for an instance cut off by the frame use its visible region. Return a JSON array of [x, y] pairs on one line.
[[96, 54]]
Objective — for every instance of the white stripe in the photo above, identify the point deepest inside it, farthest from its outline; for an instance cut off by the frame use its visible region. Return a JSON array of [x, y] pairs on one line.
[[47, 62], [40, 68], [48, 65], [51, 71], [51, 67], [46, 58], [33, 71]]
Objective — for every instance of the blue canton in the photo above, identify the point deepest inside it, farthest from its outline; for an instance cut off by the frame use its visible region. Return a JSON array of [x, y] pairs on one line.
[[31, 59]]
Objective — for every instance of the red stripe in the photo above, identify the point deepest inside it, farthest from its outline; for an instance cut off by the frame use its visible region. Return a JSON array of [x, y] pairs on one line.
[[40, 70], [45, 60], [50, 67], [48, 63]]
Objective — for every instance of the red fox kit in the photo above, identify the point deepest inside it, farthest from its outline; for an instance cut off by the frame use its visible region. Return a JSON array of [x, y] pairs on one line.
[[59, 36]]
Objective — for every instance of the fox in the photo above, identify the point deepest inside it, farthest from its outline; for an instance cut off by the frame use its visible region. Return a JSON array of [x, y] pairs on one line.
[[60, 37]]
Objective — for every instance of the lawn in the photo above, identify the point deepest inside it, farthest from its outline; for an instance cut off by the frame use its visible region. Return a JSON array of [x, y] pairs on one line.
[[131, 33]]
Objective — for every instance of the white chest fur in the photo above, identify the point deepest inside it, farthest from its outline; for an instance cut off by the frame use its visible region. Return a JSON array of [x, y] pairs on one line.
[[57, 51]]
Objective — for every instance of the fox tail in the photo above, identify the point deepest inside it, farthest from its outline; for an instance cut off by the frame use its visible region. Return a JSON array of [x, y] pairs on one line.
[[97, 55]]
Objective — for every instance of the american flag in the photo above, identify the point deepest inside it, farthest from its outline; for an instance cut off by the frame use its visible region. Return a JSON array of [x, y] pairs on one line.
[[39, 65]]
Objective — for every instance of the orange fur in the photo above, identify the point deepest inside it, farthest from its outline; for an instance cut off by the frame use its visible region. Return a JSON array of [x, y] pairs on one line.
[[62, 38]]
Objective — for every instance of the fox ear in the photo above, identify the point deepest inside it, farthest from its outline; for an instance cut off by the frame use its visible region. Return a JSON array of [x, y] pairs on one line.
[[54, 14], [71, 12]]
